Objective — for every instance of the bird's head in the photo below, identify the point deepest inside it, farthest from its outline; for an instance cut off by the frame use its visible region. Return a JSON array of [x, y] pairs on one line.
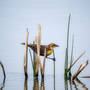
[[53, 45]]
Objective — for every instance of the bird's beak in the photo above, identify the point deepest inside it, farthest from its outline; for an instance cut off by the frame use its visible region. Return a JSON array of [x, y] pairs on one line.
[[57, 45]]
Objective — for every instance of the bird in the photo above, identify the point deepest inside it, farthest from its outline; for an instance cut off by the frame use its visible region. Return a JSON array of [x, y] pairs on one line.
[[49, 48]]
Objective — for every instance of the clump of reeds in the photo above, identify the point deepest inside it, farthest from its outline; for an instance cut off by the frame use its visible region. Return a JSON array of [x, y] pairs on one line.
[[36, 61], [68, 67]]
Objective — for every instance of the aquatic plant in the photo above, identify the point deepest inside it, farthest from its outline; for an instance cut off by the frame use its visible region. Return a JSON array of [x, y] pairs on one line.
[[26, 54], [68, 67], [66, 52]]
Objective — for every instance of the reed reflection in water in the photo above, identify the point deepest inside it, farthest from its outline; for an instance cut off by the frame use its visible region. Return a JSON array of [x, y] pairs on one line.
[[38, 84], [18, 82], [77, 84]]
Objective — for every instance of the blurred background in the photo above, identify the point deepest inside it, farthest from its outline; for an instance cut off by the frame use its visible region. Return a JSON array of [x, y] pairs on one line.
[[18, 15]]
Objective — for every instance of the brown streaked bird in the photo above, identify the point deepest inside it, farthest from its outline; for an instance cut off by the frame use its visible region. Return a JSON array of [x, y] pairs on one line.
[[49, 48]]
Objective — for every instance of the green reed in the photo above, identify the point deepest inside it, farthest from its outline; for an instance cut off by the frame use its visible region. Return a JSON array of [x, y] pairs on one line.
[[66, 52]]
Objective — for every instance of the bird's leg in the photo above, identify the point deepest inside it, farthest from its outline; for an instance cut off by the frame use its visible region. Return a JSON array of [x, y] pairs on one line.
[[54, 56], [51, 58]]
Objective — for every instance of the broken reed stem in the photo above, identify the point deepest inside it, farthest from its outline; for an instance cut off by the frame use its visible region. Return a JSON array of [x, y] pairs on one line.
[[43, 69], [76, 60], [80, 69], [26, 54], [85, 77], [3, 71]]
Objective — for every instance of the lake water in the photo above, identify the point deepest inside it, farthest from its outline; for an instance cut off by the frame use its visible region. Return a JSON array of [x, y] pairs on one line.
[[16, 81]]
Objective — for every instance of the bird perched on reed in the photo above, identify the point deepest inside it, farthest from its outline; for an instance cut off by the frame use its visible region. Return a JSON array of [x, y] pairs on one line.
[[49, 48]]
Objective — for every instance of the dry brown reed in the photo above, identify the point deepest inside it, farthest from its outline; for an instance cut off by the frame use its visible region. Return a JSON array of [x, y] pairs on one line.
[[85, 77], [80, 69], [77, 59], [26, 54], [43, 69], [3, 69]]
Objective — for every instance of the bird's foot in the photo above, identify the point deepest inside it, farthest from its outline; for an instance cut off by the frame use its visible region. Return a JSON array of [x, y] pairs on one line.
[[51, 58]]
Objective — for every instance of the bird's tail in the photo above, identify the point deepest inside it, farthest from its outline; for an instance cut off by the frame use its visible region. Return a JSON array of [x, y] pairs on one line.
[[23, 44]]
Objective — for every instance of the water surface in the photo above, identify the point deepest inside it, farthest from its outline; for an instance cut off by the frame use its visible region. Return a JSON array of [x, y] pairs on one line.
[[16, 81]]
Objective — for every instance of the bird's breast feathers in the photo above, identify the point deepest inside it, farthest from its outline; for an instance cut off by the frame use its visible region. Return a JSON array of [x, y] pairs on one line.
[[49, 51]]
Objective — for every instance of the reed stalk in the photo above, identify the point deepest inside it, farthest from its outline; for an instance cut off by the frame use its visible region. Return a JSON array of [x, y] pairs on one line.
[[65, 68], [68, 40], [85, 77], [71, 53], [31, 58], [80, 69], [39, 34], [38, 56], [38, 46], [43, 69], [3, 69], [66, 52], [76, 60], [36, 63], [26, 54], [33, 61], [71, 58], [3, 72]]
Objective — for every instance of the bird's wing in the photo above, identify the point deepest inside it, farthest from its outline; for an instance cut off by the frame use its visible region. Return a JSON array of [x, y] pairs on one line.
[[33, 47], [42, 49]]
